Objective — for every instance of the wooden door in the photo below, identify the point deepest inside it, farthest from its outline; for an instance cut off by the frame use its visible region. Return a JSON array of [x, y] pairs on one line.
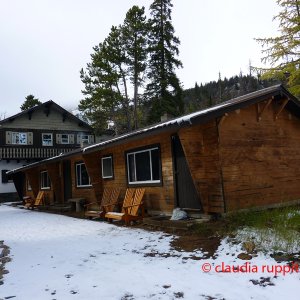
[[185, 191], [67, 180]]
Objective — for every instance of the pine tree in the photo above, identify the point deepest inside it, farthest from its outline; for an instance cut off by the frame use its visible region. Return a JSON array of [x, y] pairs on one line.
[[135, 31], [103, 97], [164, 89], [116, 69], [30, 101], [283, 51]]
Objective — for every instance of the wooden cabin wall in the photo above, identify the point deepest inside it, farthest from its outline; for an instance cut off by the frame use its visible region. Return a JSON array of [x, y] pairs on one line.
[[158, 198], [93, 165], [200, 145], [34, 183], [81, 192], [260, 158], [33, 175], [54, 173]]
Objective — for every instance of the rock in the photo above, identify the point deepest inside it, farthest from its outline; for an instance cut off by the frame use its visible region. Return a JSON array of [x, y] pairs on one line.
[[249, 247], [244, 256]]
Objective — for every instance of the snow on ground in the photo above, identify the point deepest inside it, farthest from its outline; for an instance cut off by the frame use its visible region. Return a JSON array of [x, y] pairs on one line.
[[62, 258]]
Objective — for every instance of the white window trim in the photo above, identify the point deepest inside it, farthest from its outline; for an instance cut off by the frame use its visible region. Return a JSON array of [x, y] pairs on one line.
[[45, 187], [128, 166], [112, 170], [13, 138], [61, 139], [81, 185], [43, 139], [84, 140]]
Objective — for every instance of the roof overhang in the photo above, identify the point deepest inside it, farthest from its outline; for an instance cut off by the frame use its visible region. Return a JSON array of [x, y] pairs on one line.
[[199, 117]]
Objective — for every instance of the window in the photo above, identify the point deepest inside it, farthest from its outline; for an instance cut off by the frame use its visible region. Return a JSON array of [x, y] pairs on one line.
[[19, 138], [65, 139], [5, 178], [82, 176], [144, 166], [85, 139], [47, 139], [45, 181], [107, 167]]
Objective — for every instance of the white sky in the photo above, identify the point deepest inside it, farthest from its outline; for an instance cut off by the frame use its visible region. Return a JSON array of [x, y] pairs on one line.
[[44, 43]]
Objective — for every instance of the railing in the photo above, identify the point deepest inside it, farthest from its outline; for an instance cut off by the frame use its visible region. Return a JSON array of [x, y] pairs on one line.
[[30, 153]]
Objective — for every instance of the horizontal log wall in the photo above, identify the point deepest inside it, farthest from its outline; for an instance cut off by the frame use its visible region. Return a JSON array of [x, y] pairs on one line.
[[33, 176], [55, 174], [260, 156], [81, 192], [160, 198], [200, 144]]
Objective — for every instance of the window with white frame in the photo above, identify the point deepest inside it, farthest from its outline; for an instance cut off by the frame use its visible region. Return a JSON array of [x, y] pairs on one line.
[[82, 176], [65, 139], [19, 138], [47, 139], [107, 167], [45, 181], [85, 139], [143, 166]]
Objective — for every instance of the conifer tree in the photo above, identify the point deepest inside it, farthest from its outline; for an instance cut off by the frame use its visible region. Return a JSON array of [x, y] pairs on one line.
[[164, 89], [135, 31], [283, 51], [116, 68], [103, 97], [30, 101]]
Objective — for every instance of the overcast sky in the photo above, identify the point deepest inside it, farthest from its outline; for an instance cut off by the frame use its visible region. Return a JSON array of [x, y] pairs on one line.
[[44, 43]]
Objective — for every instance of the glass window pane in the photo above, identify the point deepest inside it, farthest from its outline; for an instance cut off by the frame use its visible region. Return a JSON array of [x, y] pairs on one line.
[[85, 179], [45, 180], [131, 168], [107, 171], [65, 139], [155, 164], [47, 139], [142, 161], [78, 175]]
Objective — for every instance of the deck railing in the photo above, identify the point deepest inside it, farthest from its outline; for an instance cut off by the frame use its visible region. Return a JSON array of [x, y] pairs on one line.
[[31, 153]]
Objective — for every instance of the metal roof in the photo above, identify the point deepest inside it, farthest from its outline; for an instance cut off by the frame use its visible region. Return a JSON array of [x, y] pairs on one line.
[[198, 117]]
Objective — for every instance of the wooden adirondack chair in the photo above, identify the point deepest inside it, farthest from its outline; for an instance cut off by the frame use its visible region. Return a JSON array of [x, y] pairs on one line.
[[97, 209], [131, 205], [32, 203]]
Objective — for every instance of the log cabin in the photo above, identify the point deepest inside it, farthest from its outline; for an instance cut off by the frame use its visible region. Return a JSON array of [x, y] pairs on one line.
[[35, 134], [241, 154]]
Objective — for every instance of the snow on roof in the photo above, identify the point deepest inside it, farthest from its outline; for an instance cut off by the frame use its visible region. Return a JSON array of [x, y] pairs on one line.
[[187, 119]]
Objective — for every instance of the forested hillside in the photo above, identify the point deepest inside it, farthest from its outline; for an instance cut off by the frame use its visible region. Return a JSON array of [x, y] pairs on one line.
[[214, 92]]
